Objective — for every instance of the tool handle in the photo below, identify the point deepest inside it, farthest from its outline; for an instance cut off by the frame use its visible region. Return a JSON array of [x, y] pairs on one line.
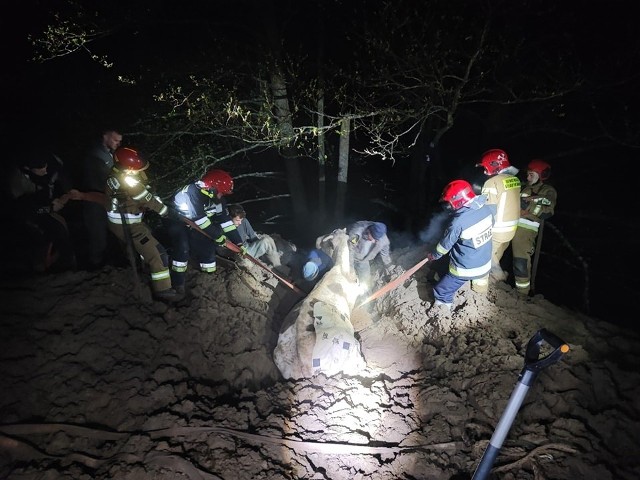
[[234, 248], [532, 359], [394, 283], [533, 365]]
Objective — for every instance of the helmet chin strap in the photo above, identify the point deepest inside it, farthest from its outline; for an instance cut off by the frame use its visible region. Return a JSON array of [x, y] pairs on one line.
[[213, 193]]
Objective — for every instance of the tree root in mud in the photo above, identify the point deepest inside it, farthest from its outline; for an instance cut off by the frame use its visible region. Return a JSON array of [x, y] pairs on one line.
[[531, 458]]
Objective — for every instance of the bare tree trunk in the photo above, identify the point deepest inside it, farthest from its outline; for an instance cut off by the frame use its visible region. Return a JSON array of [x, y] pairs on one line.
[[294, 176], [428, 177], [322, 176], [343, 168], [283, 116]]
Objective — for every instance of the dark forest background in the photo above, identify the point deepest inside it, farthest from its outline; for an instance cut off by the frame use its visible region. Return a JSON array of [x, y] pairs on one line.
[[424, 88]]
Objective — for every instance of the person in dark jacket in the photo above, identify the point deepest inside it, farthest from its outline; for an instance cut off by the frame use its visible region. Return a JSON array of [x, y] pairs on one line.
[[207, 225], [316, 264], [96, 167], [38, 189], [467, 240]]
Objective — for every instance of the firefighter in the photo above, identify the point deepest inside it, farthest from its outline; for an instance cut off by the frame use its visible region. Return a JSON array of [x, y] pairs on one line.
[[537, 203], [467, 240], [203, 204], [130, 198], [502, 189]]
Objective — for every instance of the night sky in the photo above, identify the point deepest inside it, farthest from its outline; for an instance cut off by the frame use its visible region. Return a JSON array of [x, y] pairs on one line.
[[61, 104]]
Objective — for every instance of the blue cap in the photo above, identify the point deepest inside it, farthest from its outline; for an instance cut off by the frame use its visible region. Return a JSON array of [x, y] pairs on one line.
[[378, 230], [310, 271]]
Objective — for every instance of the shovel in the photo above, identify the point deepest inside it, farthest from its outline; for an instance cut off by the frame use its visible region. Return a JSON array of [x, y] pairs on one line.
[[533, 365]]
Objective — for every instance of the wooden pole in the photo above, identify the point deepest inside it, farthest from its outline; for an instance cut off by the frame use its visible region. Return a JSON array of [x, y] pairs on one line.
[[131, 253], [234, 248], [394, 283], [536, 258]]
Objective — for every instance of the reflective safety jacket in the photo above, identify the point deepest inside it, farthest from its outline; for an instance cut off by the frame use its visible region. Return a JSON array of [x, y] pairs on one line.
[[207, 211], [130, 197], [538, 202], [503, 191], [467, 240]]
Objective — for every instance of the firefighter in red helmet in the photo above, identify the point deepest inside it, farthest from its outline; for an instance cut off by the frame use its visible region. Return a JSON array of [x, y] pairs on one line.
[[203, 203], [467, 240], [502, 189], [538, 202], [218, 180], [130, 197]]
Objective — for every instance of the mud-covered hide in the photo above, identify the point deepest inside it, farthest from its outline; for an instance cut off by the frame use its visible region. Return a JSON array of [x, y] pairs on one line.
[[317, 334]]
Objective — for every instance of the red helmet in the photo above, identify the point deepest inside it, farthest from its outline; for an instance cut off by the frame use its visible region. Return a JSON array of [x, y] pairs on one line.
[[493, 161], [219, 180], [541, 167], [457, 194], [128, 159]]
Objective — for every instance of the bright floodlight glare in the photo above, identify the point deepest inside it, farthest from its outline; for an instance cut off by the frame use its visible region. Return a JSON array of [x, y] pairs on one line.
[[131, 181], [353, 290]]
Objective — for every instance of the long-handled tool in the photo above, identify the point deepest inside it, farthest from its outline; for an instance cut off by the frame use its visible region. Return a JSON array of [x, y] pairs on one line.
[[394, 283], [533, 365], [234, 248], [131, 253], [536, 258]]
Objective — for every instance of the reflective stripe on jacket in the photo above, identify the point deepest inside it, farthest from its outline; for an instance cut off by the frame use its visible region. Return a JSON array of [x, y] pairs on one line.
[[503, 191], [538, 208], [467, 239], [131, 196], [208, 212]]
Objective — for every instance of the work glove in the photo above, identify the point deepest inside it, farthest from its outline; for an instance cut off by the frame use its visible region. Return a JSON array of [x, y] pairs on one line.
[[431, 257], [221, 241], [243, 250]]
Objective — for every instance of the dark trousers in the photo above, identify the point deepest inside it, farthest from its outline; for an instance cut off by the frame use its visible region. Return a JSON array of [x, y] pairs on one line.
[[53, 249], [447, 287], [186, 243], [96, 226]]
